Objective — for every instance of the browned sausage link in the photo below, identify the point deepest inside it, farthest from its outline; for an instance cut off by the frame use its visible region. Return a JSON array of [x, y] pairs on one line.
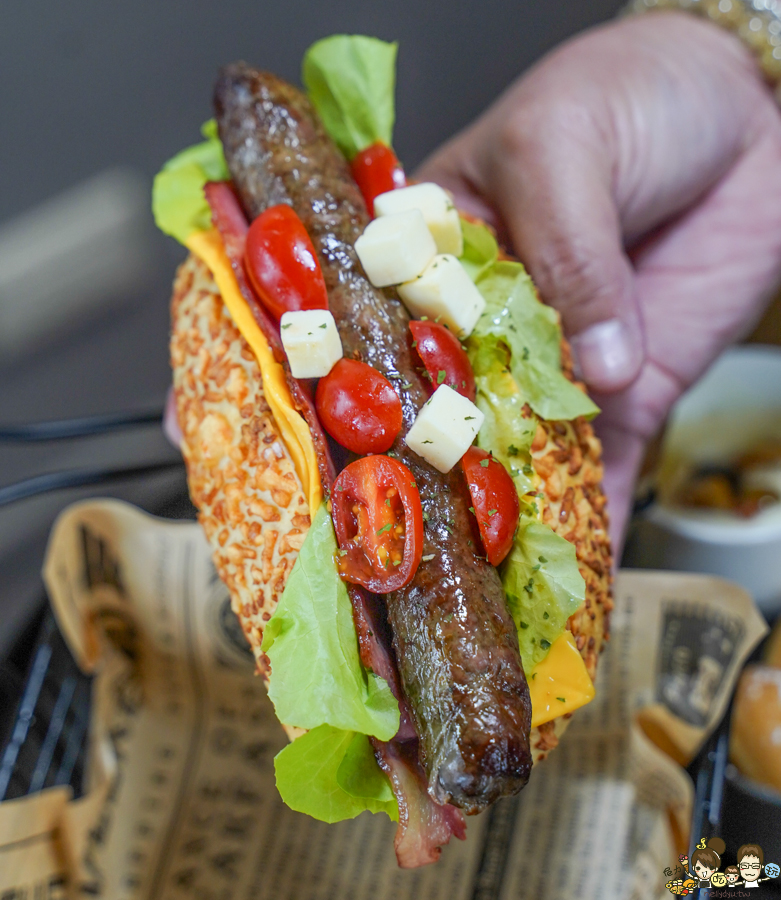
[[455, 641]]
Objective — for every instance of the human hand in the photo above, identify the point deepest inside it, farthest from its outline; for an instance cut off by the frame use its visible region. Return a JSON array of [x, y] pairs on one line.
[[636, 171]]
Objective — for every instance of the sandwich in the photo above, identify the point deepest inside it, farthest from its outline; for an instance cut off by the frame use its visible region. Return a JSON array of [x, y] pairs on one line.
[[390, 456]]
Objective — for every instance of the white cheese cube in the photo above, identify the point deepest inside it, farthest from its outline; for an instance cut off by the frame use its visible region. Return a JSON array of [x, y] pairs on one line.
[[311, 341], [444, 291], [438, 210], [445, 428], [395, 248]]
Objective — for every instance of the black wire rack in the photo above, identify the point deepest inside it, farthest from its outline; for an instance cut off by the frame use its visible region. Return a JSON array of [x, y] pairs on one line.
[[45, 741], [44, 696]]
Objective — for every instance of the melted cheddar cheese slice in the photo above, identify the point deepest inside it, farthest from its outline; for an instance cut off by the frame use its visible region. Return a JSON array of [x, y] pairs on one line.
[[208, 247], [559, 683]]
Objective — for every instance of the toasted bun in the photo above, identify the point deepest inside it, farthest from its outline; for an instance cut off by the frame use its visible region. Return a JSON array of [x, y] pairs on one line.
[[755, 732], [251, 503]]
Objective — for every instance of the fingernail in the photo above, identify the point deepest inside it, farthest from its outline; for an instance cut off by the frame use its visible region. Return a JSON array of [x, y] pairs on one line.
[[607, 356]]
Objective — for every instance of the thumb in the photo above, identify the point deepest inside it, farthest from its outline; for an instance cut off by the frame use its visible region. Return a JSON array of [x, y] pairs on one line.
[[549, 185]]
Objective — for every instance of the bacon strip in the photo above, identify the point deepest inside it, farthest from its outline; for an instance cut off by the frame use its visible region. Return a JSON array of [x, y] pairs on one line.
[[424, 826], [230, 221], [374, 647]]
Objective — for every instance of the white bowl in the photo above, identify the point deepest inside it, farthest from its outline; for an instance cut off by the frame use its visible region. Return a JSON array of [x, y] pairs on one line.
[[734, 405]]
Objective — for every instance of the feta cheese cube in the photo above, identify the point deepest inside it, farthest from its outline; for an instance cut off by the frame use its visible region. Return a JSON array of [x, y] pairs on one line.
[[445, 292], [395, 248], [311, 341], [437, 207], [445, 428]]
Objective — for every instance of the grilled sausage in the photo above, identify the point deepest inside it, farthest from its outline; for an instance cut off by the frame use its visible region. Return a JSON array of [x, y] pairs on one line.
[[455, 641]]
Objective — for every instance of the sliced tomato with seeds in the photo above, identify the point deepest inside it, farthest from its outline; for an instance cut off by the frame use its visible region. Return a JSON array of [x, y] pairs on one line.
[[444, 358], [378, 521], [358, 407], [494, 500], [376, 170], [281, 263]]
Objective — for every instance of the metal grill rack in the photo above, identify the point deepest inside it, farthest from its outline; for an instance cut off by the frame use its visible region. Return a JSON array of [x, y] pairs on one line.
[[45, 701], [46, 738], [44, 697]]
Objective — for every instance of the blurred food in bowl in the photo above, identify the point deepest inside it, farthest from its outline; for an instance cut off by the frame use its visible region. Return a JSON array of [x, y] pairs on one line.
[[727, 463], [717, 484]]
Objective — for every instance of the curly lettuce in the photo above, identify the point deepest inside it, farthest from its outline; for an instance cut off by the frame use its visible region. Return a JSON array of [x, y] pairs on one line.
[[527, 328], [543, 586], [506, 433]]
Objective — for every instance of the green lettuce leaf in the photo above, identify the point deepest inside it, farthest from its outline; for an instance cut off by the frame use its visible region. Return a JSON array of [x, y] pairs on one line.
[[515, 352], [480, 249], [543, 586], [540, 576], [360, 776], [351, 81], [504, 432], [318, 682], [316, 671], [178, 202], [332, 774], [531, 332]]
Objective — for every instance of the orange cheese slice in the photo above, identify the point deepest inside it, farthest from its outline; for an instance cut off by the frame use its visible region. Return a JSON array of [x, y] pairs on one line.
[[208, 247], [559, 683]]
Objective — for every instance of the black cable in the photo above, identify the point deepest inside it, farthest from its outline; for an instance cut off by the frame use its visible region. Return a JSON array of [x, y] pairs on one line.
[[82, 427], [54, 481]]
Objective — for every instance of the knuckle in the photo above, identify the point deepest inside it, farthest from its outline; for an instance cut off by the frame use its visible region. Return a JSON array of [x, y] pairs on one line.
[[567, 266], [579, 281], [551, 125]]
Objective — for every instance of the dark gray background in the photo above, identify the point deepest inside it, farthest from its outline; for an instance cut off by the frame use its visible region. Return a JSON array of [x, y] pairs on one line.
[[91, 85]]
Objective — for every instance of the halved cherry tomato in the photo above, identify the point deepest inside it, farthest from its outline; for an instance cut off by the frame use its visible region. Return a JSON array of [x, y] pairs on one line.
[[358, 407], [376, 170], [444, 358], [495, 502], [281, 263], [379, 523]]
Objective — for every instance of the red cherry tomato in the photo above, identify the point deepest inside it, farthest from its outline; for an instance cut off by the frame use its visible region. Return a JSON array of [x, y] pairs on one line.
[[379, 523], [281, 263], [495, 502], [444, 358], [358, 407], [376, 170]]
